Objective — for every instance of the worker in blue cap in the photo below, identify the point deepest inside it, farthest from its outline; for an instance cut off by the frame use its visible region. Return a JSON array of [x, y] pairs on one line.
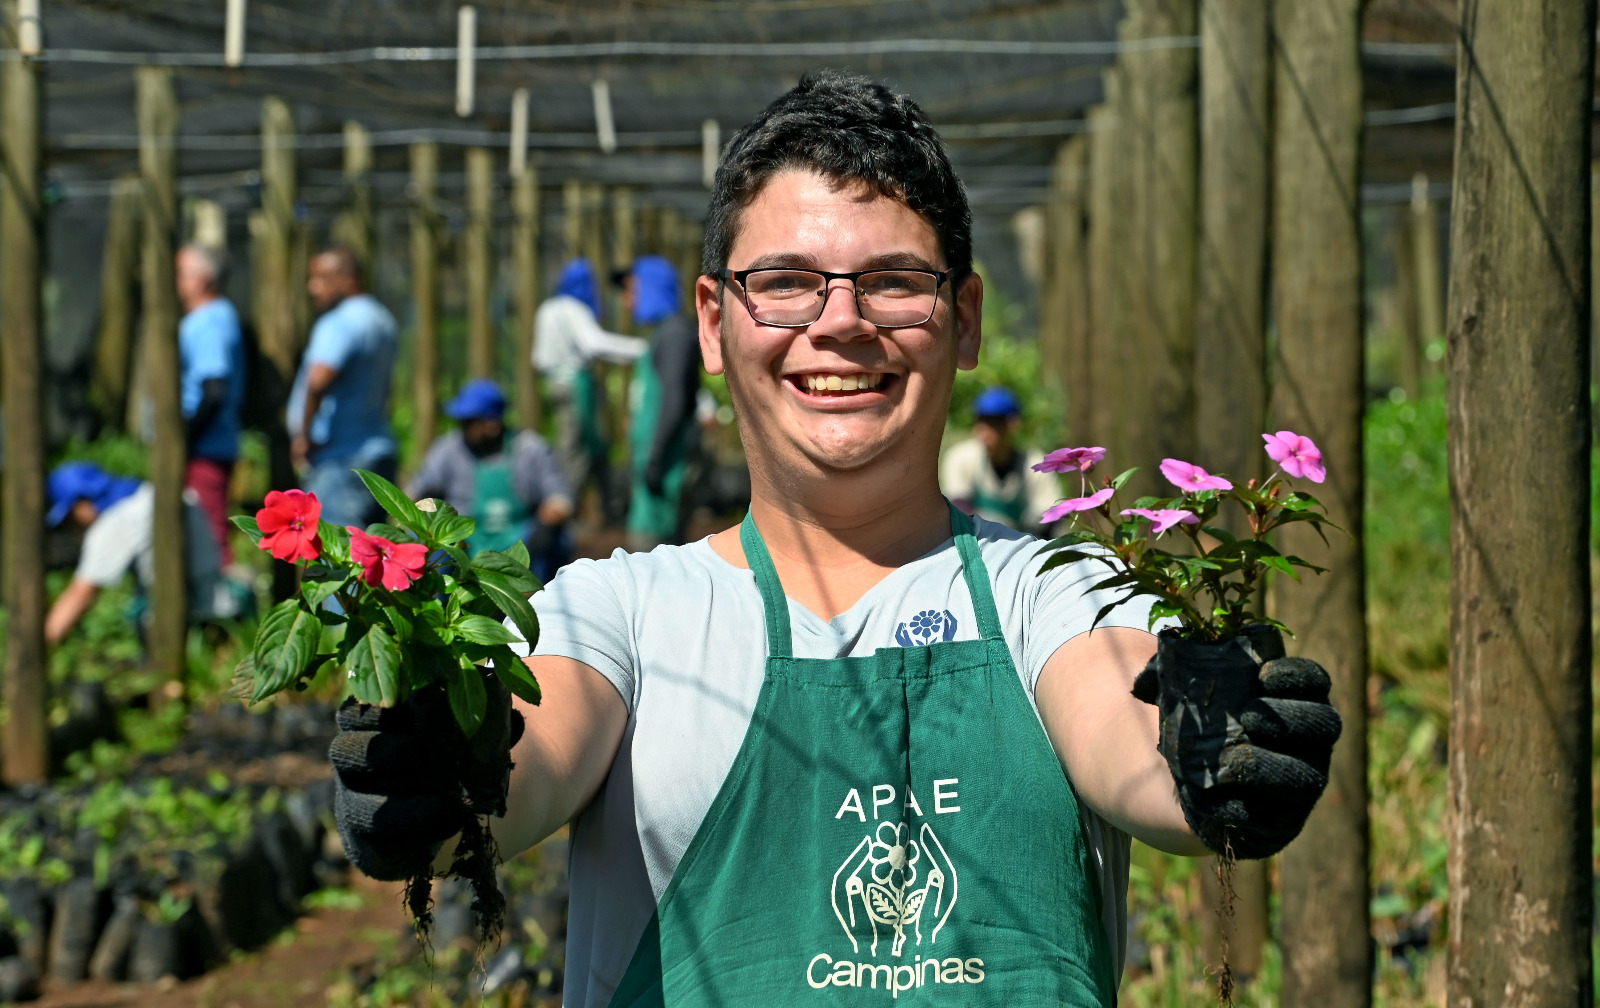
[[662, 398], [117, 516], [990, 474], [509, 481], [568, 341]]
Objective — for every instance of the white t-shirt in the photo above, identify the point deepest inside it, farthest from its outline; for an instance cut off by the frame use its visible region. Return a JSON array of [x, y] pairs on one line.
[[567, 338], [679, 632], [122, 537]]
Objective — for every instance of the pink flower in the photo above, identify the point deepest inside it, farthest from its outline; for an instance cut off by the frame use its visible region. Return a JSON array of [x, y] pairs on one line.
[[288, 524], [1162, 519], [391, 564], [1190, 478], [1070, 459], [1066, 507], [1297, 454]]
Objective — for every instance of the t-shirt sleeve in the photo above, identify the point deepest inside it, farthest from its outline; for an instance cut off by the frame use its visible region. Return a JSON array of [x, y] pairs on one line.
[[331, 343], [956, 477], [112, 543], [206, 344], [583, 616], [1063, 603]]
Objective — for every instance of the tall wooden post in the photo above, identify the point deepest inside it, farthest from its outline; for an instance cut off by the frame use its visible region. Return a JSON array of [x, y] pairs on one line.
[[525, 248], [1407, 337], [1520, 820], [169, 610], [1107, 231], [425, 290], [1428, 270], [119, 264], [477, 262], [25, 751], [209, 223], [353, 227], [1156, 414], [1064, 298], [1318, 392], [571, 220], [1230, 348]]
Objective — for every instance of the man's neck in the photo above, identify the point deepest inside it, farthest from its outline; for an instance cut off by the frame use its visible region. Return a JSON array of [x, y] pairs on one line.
[[833, 546], [200, 302]]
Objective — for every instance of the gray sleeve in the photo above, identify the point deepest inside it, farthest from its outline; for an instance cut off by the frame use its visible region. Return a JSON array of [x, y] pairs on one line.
[[536, 472], [584, 614], [1062, 605], [432, 478], [113, 542]]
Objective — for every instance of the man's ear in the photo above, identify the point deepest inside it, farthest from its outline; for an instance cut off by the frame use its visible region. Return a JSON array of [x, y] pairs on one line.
[[708, 308], [969, 321]]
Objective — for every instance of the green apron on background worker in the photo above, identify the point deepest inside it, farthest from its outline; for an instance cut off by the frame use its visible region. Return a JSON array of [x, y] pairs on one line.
[[661, 401]]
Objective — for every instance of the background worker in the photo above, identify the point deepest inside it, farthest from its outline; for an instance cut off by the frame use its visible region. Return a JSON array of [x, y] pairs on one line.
[[989, 473], [568, 340], [212, 370], [510, 482], [662, 403], [116, 515], [339, 407], [808, 749]]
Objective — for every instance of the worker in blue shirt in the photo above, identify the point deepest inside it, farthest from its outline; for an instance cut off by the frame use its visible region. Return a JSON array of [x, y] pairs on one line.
[[212, 378], [339, 406]]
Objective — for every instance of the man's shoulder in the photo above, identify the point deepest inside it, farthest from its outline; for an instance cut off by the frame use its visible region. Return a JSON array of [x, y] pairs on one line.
[[968, 450], [681, 571]]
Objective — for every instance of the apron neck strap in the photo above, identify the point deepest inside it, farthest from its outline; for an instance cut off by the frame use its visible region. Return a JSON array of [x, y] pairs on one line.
[[776, 604]]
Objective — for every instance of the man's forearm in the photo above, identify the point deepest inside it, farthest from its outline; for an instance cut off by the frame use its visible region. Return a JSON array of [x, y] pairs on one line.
[[67, 610]]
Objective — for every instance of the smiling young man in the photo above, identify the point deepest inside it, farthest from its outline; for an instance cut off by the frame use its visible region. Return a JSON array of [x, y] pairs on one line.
[[853, 750]]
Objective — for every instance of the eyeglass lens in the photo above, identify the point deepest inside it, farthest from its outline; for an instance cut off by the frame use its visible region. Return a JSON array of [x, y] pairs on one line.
[[885, 298]]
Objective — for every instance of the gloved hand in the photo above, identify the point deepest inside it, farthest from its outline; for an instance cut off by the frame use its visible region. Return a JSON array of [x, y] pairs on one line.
[[1250, 755], [405, 778]]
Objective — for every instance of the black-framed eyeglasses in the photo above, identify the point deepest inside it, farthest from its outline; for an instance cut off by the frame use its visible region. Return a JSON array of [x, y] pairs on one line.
[[795, 298]]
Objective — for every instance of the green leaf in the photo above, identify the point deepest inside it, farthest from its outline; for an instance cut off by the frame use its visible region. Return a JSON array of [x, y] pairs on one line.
[[335, 542], [273, 627], [1123, 477], [1221, 535], [375, 657], [1299, 501], [468, 698], [400, 620], [248, 526], [1064, 557], [393, 500], [317, 593], [453, 529], [279, 668], [391, 532], [513, 671], [513, 603], [516, 573], [1280, 564], [441, 509], [519, 553], [483, 630]]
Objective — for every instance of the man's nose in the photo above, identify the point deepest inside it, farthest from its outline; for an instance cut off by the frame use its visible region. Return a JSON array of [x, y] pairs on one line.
[[841, 317]]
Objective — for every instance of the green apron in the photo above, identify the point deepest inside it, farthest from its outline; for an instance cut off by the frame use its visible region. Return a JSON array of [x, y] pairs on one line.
[[502, 516], [654, 515], [896, 822]]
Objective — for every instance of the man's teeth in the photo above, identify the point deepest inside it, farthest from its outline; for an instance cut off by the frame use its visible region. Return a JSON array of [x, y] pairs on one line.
[[842, 383]]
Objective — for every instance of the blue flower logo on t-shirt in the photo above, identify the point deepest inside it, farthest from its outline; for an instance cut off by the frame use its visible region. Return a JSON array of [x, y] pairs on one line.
[[925, 627]]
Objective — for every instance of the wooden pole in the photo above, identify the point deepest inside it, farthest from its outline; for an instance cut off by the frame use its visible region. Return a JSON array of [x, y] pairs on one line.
[[1318, 392], [1429, 270], [1156, 411], [119, 265], [1106, 345], [623, 228], [1230, 343], [169, 610], [571, 220], [525, 247], [275, 286], [1064, 341], [477, 262], [353, 227], [25, 750], [425, 290], [1521, 819], [1407, 336]]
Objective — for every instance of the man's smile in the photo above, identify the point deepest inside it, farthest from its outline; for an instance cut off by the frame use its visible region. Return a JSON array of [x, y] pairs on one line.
[[857, 388]]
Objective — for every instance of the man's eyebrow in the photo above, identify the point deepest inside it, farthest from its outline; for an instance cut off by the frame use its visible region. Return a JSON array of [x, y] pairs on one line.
[[800, 260]]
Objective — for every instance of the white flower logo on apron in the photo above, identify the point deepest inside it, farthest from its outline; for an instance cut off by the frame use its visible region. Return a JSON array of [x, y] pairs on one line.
[[881, 877]]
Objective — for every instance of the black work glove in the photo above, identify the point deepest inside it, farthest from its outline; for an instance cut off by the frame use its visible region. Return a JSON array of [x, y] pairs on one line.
[[406, 779], [1247, 734]]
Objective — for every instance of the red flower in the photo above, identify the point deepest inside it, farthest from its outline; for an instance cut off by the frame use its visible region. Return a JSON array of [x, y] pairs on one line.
[[289, 525], [391, 564]]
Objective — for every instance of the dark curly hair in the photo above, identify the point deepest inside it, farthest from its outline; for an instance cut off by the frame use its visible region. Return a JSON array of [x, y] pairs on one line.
[[846, 128]]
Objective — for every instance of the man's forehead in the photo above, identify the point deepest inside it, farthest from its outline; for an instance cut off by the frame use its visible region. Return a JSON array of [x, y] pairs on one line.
[[798, 215]]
